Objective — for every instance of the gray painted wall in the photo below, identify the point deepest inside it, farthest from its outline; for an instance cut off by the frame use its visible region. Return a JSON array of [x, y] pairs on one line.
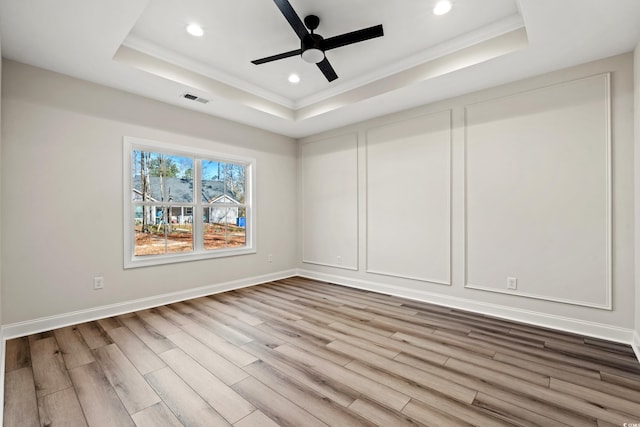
[[528, 177], [62, 215]]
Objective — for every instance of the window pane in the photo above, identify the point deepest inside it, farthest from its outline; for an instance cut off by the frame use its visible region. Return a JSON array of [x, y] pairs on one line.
[[212, 180], [178, 179], [223, 227], [238, 233], [158, 230], [180, 238], [143, 172], [223, 179], [149, 237], [157, 177], [234, 181], [151, 176]]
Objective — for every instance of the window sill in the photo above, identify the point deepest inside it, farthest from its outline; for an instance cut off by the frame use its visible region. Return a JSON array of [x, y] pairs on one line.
[[142, 261]]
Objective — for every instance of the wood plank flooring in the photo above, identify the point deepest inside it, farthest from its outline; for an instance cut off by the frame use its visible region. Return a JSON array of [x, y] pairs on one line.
[[298, 352]]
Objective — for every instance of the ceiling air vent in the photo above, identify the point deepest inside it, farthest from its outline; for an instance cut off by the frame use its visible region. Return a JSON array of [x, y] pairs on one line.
[[195, 98]]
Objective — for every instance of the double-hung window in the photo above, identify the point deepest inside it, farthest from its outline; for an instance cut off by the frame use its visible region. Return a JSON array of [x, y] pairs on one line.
[[185, 204]]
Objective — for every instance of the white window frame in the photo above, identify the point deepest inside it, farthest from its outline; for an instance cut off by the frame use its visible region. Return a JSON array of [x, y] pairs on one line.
[[199, 253]]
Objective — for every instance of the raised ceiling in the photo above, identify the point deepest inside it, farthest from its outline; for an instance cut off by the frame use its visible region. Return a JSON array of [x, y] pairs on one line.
[[141, 46]]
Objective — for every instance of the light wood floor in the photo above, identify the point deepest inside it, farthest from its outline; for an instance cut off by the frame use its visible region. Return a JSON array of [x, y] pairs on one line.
[[303, 353]]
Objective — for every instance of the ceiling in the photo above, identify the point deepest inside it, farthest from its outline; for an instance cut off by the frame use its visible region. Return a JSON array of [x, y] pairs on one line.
[[141, 46]]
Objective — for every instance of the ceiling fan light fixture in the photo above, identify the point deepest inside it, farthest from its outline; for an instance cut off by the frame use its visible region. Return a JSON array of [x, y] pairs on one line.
[[313, 55], [195, 30], [312, 45], [442, 7]]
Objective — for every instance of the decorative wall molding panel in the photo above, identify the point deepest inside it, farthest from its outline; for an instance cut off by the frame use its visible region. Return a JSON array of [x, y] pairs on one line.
[[329, 195], [409, 198], [538, 193]]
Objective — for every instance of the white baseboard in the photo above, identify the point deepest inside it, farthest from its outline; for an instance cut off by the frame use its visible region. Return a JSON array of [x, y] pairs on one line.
[[635, 344], [582, 327], [20, 329], [3, 349]]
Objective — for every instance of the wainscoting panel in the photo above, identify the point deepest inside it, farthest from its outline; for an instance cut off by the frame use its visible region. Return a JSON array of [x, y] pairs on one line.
[[329, 193], [538, 193], [409, 198]]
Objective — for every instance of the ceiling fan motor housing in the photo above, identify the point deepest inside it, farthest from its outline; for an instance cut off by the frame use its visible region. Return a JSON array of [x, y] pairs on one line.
[[311, 44], [312, 41], [312, 49]]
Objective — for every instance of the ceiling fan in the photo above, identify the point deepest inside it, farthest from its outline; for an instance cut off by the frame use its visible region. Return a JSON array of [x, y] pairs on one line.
[[313, 46]]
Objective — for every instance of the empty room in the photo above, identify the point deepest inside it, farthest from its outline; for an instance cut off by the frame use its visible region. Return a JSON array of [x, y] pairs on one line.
[[303, 213]]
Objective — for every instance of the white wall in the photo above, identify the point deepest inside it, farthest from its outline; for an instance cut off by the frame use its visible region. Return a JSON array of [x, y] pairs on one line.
[[532, 180], [62, 195]]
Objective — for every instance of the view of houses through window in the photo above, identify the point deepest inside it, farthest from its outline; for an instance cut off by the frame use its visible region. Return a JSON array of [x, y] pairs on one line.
[[184, 204]]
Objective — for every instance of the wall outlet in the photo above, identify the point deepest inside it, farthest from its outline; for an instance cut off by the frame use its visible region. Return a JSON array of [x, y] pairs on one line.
[[512, 283], [270, 258], [98, 282], [339, 260]]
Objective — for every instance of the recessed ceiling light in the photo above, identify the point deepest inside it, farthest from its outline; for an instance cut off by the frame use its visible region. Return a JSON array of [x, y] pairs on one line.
[[442, 7], [294, 78], [195, 30]]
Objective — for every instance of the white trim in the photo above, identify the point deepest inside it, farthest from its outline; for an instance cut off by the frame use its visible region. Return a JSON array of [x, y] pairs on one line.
[[416, 278], [480, 36], [171, 56], [635, 344], [29, 327], [325, 264], [609, 213], [566, 324], [592, 329], [166, 61], [3, 350], [540, 297]]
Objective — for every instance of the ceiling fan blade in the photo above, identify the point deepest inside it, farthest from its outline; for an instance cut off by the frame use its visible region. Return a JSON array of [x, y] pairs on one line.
[[353, 37], [294, 20], [327, 70], [278, 56]]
